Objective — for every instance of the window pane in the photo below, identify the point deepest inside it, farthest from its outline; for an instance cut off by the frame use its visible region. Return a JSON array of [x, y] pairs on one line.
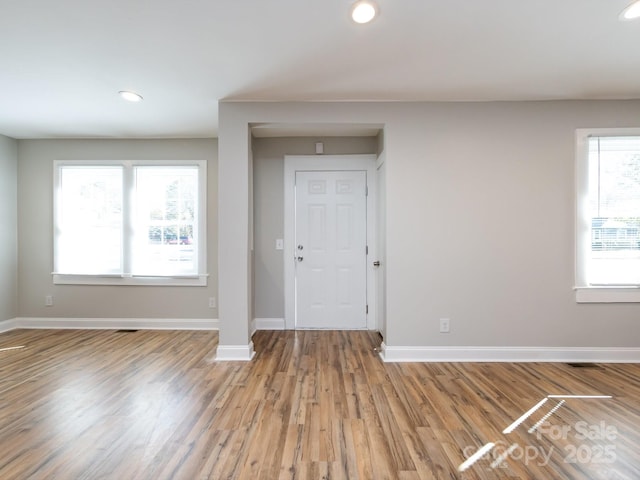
[[89, 236], [165, 221], [614, 203]]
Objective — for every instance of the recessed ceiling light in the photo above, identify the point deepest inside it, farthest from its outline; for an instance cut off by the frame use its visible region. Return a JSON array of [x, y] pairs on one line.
[[130, 96], [631, 12], [363, 11]]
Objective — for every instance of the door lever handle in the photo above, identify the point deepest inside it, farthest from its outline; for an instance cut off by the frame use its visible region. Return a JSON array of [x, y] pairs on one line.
[[376, 263]]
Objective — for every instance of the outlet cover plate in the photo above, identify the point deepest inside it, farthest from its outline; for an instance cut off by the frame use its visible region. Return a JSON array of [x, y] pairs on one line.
[[445, 326]]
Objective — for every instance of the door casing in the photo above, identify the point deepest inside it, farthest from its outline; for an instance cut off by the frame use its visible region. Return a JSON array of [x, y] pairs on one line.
[[293, 163]]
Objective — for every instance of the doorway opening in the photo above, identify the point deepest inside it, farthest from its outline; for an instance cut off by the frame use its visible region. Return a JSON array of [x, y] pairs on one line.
[[330, 242]]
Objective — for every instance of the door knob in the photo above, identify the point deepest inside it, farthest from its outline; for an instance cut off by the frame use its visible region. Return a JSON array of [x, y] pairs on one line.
[[300, 247], [300, 259]]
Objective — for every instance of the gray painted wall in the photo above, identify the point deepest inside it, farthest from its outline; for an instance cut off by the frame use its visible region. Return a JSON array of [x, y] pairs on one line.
[[479, 209], [8, 232], [480, 225], [35, 191], [268, 208], [479, 217]]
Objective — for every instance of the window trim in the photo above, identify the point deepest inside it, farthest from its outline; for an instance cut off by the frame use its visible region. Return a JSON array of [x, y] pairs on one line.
[[584, 292], [128, 279]]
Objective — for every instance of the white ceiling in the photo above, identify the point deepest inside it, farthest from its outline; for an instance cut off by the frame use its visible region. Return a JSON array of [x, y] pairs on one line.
[[62, 63]]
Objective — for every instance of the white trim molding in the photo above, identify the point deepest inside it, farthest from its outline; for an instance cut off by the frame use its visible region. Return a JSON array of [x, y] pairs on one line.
[[306, 163], [510, 354], [585, 292], [607, 294], [116, 323], [8, 325], [232, 353], [269, 324], [123, 273]]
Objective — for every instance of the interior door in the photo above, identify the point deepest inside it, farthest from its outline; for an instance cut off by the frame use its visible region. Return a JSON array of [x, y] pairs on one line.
[[331, 243]]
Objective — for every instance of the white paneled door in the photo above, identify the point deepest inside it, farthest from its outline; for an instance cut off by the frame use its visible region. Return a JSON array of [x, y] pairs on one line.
[[330, 249]]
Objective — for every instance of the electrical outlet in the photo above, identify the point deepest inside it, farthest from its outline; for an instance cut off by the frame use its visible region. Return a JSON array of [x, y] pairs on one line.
[[48, 300], [444, 325], [212, 302]]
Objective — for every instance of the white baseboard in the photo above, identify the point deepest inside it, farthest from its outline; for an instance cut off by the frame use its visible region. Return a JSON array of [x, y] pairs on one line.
[[116, 323], [8, 325], [231, 353], [510, 354], [387, 353], [269, 324]]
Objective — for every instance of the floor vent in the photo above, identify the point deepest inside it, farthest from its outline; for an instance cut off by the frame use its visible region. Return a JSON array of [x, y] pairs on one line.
[[584, 365]]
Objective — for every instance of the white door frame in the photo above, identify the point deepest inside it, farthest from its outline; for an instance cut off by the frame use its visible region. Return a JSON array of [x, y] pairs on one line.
[[293, 163]]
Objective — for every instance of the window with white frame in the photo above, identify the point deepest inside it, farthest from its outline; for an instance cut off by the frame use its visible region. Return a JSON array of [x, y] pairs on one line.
[[608, 216], [130, 223]]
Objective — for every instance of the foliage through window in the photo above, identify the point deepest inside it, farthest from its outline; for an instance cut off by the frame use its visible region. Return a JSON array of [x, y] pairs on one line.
[[130, 222]]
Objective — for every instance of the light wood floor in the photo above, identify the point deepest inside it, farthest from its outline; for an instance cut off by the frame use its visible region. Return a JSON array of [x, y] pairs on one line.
[[154, 405]]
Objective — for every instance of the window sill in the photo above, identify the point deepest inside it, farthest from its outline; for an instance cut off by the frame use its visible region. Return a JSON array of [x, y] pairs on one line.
[[629, 294], [176, 281]]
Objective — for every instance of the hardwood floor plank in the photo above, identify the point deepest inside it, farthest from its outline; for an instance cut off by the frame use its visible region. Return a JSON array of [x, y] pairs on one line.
[[154, 405], [362, 450]]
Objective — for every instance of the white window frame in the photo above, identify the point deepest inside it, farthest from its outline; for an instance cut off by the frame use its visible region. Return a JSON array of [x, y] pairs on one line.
[[199, 279], [586, 293]]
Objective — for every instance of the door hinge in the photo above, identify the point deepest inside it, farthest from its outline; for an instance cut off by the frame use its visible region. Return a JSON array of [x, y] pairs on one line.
[[367, 308], [366, 250], [366, 191]]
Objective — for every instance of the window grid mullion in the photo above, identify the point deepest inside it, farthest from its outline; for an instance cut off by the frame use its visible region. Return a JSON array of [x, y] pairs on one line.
[[128, 209]]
